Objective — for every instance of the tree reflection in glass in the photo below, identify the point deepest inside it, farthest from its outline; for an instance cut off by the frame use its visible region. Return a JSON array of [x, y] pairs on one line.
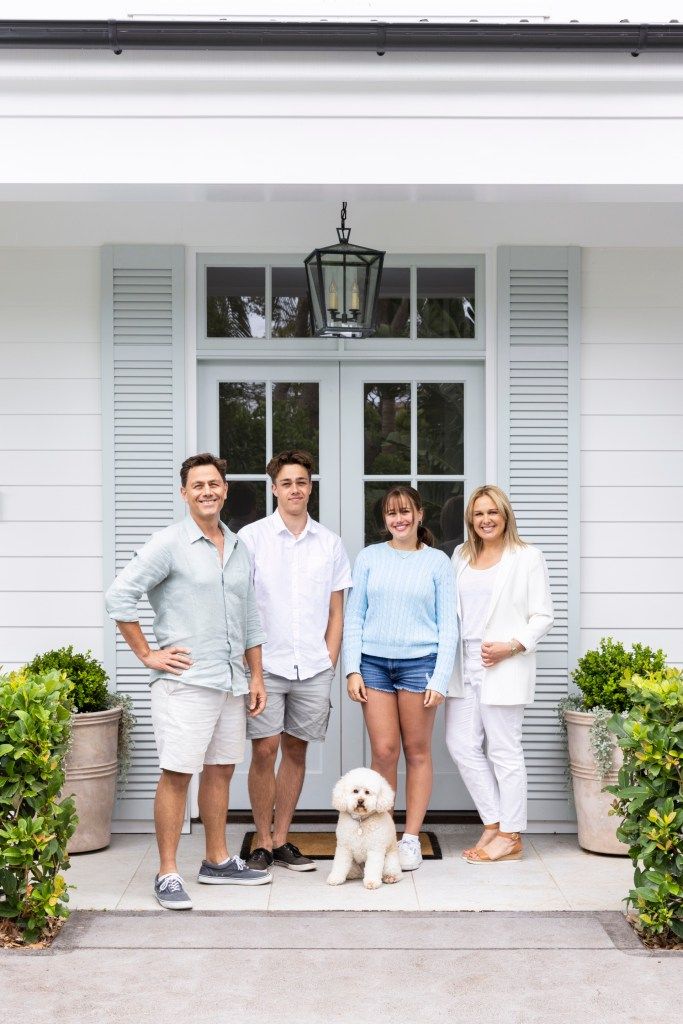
[[242, 425], [387, 428], [296, 417], [235, 302], [291, 310], [445, 302], [440, 429]]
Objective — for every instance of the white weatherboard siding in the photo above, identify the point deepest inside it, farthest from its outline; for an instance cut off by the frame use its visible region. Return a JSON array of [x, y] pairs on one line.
[[632, 448], [50, 452]]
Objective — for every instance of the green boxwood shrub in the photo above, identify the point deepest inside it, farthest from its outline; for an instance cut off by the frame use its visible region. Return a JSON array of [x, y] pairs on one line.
[[90, 691], [599, 673], [649, 794], [35, 825]]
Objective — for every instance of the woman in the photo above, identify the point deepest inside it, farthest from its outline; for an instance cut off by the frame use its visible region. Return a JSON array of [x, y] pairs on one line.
[[400, 634], [504, 609]]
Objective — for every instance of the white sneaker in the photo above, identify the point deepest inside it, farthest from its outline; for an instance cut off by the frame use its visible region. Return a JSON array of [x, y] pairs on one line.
[[409, 854]]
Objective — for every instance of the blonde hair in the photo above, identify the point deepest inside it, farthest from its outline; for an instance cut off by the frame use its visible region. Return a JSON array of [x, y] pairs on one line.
[[473, 545]]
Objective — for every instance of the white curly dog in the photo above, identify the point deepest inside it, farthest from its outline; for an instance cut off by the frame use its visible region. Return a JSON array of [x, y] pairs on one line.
[[366, 834]]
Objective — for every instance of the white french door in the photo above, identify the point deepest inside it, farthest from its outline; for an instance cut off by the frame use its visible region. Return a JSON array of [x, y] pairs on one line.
[[247, 413], [420, 424], [368, 425]]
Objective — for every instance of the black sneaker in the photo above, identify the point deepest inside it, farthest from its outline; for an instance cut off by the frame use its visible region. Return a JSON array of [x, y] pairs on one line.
[[260, 859], [288, 856]]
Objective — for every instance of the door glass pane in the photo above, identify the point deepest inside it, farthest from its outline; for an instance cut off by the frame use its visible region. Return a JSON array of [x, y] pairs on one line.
[[374, 522], [296, 418], [235, 302], [246, 502], [443, 503], [290, 316], [387, 428], [393, 305], [440, 429], [445, 302], [242, 425]]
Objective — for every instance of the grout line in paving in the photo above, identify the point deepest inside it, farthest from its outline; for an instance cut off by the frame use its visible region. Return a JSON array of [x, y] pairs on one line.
[[134, 873], [550, 875]]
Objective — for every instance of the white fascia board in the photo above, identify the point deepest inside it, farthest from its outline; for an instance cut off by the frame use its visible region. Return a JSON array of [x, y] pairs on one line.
[[266, 150]]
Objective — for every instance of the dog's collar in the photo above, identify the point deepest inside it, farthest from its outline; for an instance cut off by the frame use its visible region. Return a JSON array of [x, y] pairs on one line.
[[356, 817]]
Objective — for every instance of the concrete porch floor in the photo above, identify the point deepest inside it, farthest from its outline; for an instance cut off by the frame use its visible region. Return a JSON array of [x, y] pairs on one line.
[[554, 875]]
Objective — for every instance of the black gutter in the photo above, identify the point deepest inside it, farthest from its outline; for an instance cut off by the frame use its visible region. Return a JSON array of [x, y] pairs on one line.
[[378, 37]]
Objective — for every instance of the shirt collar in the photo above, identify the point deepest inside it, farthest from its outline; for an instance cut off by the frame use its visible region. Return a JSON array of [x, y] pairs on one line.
[[280, 527], [194, 533]]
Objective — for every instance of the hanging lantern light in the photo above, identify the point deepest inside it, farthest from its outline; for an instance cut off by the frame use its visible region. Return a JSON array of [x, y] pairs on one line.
[[343, 287]]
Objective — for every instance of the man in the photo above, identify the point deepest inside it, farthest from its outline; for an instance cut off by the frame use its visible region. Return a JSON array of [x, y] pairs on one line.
[[300, 572], [196, 574]]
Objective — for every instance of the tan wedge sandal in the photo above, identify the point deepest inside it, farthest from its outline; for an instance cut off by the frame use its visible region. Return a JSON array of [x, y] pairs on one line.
[[488, 835], [481, 856]]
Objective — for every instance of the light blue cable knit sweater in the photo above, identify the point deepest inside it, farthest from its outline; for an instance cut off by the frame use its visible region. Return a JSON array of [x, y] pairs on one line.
[[402, 608]]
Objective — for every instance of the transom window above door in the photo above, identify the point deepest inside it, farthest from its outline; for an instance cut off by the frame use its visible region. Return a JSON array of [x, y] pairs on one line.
[[242, 303]]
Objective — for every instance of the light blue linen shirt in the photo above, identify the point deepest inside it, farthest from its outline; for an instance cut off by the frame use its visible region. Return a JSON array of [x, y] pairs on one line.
[[197, 602]]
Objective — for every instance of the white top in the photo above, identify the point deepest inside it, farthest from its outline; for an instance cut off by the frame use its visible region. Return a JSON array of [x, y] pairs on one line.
[[476, 591], [294, 578]]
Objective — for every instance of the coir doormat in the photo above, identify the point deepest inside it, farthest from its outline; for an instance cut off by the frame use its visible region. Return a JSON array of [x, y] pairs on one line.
[[321, 845]]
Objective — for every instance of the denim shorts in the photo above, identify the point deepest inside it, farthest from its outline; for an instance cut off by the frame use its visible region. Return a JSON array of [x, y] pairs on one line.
[[392, 674]]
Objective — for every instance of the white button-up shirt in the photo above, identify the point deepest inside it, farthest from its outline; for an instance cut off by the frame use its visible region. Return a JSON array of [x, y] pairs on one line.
[[294, 578]]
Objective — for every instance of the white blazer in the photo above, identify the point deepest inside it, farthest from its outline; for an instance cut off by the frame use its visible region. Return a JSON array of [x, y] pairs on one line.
[[522, 609]]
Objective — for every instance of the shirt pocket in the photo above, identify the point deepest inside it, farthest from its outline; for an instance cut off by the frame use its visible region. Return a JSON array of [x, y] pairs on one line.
[[318, 568]]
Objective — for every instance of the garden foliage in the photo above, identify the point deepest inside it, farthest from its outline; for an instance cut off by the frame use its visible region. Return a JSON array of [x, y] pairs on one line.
[[599, 673], [35, 824], [649, 794], [90, 691]]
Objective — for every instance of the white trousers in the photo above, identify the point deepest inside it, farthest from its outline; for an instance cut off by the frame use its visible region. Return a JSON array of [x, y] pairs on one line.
[[496, 780]]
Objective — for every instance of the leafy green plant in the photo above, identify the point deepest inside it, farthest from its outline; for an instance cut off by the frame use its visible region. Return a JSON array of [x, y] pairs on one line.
[[599, 673], [649, 795], [90, 692], [35, 825]]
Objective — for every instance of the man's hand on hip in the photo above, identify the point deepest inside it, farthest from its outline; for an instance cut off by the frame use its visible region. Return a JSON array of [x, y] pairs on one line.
[[174, 660], [257, 695]]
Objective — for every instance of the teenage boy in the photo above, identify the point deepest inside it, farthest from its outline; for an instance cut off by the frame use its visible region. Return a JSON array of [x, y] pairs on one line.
[[300, 571], [196, 574]]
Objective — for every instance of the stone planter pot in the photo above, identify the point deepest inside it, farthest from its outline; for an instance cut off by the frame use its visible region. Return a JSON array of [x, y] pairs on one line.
[[91, 768], [596, 826]]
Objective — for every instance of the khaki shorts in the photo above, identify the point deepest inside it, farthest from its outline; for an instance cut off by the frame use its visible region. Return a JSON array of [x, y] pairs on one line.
[[299, 707], [196, 725]]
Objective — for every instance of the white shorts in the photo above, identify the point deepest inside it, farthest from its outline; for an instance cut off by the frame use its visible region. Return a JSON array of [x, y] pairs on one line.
[[195, 725]]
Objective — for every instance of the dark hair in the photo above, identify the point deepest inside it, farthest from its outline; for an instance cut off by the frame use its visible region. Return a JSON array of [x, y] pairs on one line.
[[292, 457], [424, 536], [203, 459]]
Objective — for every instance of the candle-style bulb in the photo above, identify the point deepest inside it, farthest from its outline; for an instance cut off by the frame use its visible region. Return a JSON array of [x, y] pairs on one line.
[[355, 296], [332, 299]]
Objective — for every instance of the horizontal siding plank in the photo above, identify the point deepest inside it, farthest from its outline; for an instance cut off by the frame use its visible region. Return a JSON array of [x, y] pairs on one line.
[[77, 397], [52, 325], [644, 397], [669, 640], [55, 609], [22, 573], [51, 432], [50, 277], [619, 325], [61, 469], [632, 432], [637, 575], [21, 645], [631, 611], [47, 361], [646, 361], [64, 539], [619, 469], [55, 504], [624, 540], [630, 504]]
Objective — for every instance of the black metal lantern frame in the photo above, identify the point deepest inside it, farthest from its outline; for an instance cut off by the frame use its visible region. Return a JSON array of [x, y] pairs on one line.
[[343, 287]]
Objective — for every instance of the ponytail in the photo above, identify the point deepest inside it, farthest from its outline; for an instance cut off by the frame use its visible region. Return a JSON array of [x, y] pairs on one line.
[[425, 536]]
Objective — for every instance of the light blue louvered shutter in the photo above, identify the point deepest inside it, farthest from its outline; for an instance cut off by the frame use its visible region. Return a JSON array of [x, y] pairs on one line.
[[538, 338], [143, 363]]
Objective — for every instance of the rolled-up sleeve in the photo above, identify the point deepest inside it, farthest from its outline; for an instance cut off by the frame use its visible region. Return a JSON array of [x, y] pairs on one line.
[[147, 568], [254, 634]]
